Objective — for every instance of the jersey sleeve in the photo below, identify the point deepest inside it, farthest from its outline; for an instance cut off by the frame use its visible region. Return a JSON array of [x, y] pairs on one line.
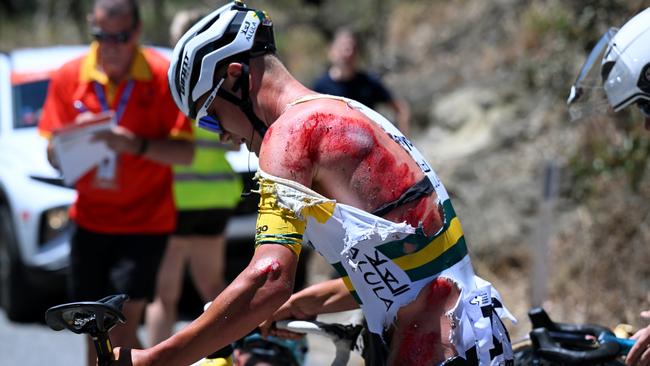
[[276, 224]]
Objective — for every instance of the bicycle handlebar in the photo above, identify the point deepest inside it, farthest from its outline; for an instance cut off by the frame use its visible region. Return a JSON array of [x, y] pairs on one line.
[[576, 344], [333, 331], [344, 336]]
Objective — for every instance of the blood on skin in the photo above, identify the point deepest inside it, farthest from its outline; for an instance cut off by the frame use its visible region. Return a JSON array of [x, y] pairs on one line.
[[440, 288], [339, 142], [431, 221], [322, 135], [418, 349], [267, 265], [385, 171], [420, 345]]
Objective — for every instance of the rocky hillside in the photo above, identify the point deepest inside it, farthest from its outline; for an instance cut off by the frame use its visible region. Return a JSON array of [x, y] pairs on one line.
[[487, 81]]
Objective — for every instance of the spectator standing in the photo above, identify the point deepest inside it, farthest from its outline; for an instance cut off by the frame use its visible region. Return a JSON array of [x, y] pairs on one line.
[[122, 230], [344, 78], [206, 194]]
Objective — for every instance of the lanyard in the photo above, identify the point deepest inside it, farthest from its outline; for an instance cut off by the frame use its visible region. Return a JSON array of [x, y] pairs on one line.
[[124, 99]]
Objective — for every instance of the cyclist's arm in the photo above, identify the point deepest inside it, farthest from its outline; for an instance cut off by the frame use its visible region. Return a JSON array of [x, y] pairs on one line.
[[252, 297], [326, 297]]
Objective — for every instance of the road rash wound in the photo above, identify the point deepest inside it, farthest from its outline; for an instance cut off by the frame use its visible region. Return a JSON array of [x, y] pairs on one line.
[[420, 341], [269, 267], [350, 146], [423, 213]]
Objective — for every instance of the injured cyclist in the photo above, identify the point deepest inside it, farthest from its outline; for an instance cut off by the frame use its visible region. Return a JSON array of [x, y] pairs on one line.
[[338, 177]]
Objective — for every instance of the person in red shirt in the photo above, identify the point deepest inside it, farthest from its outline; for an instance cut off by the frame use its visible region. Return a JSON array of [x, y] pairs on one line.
[[122, 228]]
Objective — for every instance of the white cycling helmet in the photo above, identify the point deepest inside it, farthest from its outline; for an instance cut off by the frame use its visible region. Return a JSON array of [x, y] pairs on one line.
[[623, 57], [232, 33]]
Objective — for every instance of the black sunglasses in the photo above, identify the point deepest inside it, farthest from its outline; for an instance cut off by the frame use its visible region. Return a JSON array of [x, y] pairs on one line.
[[119, 37]]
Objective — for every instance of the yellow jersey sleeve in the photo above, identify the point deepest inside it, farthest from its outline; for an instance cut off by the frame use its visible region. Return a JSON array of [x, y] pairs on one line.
[[275, 224]]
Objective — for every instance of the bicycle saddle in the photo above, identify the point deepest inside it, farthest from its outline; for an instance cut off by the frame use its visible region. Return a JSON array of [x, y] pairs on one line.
[[89, 317], [573, 344]]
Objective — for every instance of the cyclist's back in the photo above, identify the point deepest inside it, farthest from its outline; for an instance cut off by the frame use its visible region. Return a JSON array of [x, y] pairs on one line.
[[377, 212]]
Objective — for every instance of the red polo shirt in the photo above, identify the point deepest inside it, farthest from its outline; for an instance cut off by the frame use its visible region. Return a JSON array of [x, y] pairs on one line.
[[142, 200]]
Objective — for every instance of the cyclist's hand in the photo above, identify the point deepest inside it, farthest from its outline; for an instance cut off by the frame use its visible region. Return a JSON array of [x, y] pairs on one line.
[[288, 310], [129, 357], [639, 355]]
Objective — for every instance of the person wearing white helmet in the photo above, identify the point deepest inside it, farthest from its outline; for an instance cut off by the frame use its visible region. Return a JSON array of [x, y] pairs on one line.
[[616, 74], [336, 176]]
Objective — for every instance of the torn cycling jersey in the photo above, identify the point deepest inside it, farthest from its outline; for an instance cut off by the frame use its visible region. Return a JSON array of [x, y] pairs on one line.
[[369, 253]]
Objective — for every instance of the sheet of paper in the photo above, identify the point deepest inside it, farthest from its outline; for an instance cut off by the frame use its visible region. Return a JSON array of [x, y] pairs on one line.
[[76, 151]]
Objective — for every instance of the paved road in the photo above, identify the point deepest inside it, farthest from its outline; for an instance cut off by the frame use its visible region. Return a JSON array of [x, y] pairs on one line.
[[38, 345]]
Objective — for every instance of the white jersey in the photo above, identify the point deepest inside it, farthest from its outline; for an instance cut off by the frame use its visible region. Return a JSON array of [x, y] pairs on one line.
[[369, 253]]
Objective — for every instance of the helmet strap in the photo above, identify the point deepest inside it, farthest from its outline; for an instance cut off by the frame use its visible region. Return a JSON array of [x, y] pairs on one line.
[[244, 103]]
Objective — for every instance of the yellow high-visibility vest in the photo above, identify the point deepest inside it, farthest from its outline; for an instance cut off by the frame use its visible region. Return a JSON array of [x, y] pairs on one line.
[[210, 181]]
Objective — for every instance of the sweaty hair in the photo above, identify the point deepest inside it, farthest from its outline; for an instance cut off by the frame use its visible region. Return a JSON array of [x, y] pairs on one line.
[[119, 8]]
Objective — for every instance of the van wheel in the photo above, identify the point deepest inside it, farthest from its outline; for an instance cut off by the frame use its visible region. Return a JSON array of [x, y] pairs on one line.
[[14, 291]]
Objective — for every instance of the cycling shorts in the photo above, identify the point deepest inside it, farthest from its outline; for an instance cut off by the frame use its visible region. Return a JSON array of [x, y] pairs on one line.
[[202, 222], [106, 264]]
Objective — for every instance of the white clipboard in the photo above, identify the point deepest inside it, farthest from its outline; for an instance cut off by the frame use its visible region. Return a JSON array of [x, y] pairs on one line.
[[75, 149]]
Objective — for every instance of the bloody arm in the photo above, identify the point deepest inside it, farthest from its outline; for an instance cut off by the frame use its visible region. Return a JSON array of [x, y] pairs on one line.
[[252, 297]]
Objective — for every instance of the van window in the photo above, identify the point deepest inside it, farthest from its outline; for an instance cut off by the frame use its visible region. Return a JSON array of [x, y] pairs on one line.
[[28, 102]]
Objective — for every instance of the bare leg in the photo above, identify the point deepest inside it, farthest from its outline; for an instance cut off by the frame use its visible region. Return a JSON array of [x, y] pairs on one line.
[[207, 264], [421, 334], [161, 314]]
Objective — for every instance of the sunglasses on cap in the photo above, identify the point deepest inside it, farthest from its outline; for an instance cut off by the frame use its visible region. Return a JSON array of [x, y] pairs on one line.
[[207, 120], [119, 37]]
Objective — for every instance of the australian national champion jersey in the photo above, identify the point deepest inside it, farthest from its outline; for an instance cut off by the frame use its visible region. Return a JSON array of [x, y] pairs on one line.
[[369, 253]]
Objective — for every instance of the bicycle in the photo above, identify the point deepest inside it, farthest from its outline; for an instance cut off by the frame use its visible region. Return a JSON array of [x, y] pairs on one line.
[[549, 344], [97, 318]]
